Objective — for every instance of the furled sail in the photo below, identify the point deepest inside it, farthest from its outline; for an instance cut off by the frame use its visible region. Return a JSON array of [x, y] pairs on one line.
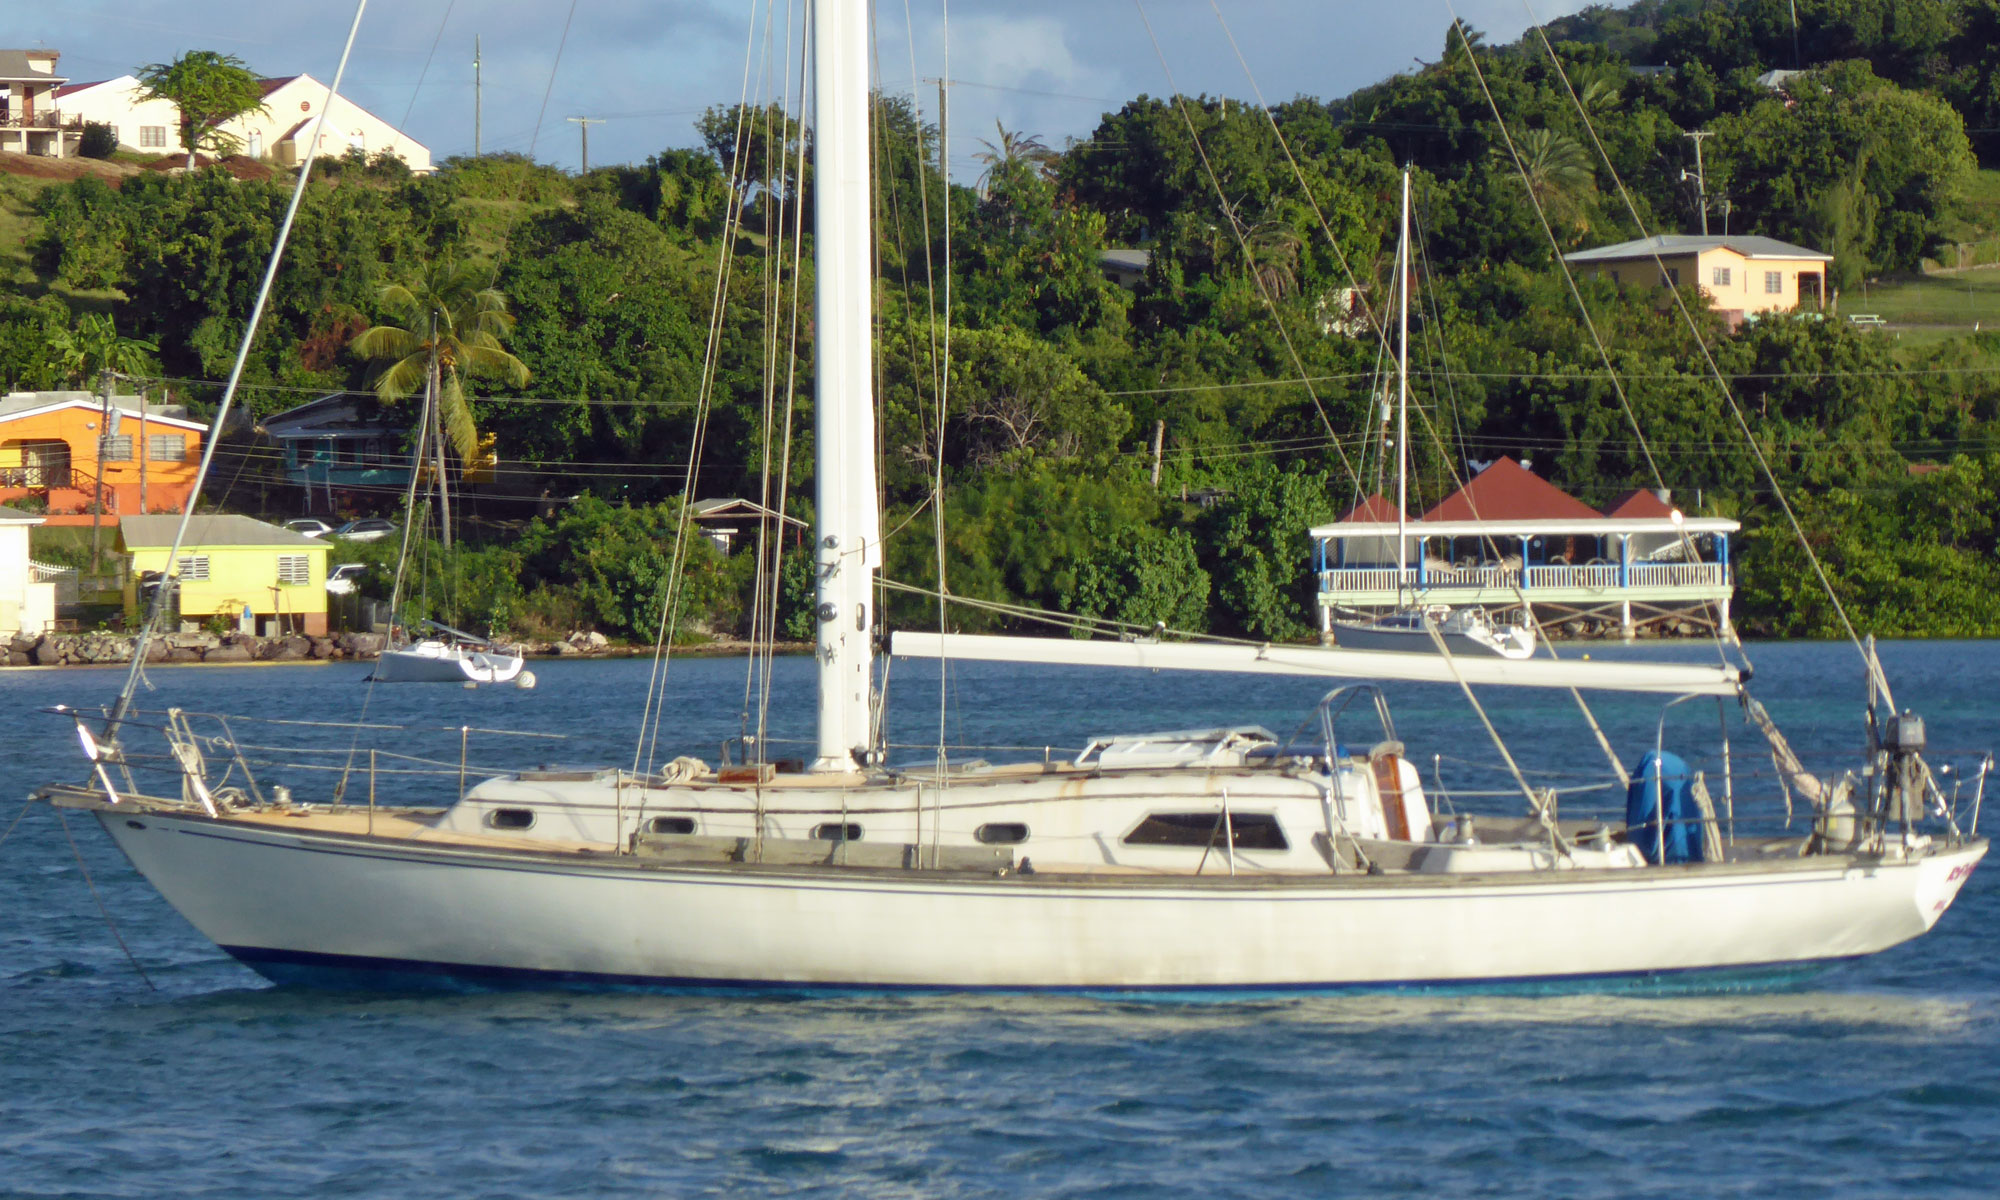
[[1678, 679]]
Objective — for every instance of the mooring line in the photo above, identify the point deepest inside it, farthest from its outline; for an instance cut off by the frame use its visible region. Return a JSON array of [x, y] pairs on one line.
[[94, 895]]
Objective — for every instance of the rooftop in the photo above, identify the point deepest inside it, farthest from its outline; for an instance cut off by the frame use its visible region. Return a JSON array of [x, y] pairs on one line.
[[216, 529], [1749, 245]]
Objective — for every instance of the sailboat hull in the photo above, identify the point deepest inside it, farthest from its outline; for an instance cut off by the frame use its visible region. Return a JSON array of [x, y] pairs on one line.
[[437, 662], [329, 909]]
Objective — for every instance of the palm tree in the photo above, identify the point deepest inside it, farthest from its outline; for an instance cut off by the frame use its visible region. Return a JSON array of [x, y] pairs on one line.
[[454, 321], [1554, 168], [1012, 148]]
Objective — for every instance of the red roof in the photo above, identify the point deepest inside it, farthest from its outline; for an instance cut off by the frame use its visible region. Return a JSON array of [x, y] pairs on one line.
[[272, 85], [70, 89], [1372, 508], [1639, 503], [1508, 491]]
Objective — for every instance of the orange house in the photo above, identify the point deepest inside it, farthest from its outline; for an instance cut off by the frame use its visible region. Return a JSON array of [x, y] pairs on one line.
[[55, 446]]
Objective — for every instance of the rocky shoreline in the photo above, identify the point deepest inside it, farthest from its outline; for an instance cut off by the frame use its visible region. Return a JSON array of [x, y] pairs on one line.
[[103, 647]]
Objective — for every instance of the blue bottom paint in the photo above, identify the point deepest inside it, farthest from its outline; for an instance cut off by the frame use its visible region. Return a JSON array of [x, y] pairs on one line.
[[340, 972]]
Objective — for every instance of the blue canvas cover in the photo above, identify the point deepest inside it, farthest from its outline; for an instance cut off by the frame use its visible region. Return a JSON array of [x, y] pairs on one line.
[[1662, 780]]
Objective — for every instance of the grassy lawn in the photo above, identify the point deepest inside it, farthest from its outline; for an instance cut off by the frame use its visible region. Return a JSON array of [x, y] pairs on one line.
[[18, 227], [1953, 303]]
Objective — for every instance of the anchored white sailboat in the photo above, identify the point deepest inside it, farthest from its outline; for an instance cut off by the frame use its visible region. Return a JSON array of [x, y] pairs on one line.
[[1214, 859]]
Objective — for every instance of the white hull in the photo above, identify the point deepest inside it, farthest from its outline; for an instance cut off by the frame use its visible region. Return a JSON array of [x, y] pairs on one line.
[[1418, 641], [439, 662], [331, 908]]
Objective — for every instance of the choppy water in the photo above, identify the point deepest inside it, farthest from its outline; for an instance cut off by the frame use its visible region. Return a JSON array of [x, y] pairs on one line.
[[1878, 1078]]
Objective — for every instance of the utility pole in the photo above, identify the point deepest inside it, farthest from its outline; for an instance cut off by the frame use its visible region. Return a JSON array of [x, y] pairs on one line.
[[584, 124], [1159, 444], [1700, 177], [478, 106], [104, 432]]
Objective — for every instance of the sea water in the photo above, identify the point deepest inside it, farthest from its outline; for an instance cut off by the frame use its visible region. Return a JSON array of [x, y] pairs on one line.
[[177, 1072]]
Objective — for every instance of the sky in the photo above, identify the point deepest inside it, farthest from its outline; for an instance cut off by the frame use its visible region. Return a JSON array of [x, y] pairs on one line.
[[647, 68]]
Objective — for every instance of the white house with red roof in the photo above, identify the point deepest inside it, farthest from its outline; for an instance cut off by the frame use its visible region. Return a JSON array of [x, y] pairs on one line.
[[295, 108], [1510, 539]]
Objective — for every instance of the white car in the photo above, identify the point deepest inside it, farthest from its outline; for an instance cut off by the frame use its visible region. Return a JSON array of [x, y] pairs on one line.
[[341, 581], [367, 529], [309, 526]]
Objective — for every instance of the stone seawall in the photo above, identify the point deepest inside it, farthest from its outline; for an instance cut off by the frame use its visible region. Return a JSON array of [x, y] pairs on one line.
[[85, 649]]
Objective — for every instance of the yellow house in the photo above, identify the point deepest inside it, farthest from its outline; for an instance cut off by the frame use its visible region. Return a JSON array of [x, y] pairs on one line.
[[230, 565], [1741, 274]]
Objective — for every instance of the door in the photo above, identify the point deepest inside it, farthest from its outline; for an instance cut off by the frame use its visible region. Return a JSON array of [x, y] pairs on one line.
[[254, 146]]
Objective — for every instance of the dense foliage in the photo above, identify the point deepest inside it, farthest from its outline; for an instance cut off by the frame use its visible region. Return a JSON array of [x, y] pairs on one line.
[[1249, 344]]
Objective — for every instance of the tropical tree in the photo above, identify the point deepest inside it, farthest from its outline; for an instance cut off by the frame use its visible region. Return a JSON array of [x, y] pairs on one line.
[[453, 325], [209, 89], [94, 345], [1555, 169], [1012, 148]]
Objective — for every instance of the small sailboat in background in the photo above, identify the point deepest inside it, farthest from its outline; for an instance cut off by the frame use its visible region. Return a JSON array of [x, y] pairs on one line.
[[453, 657], [1466, 630], [1424, 628]]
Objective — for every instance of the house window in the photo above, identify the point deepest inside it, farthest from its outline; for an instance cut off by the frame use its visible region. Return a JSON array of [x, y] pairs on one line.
[[294, 570], [167, 447], [1774, 283], [193, 567], [1673, 278], [152, 137], [1719, 277], [118, 448], [1614, 277]]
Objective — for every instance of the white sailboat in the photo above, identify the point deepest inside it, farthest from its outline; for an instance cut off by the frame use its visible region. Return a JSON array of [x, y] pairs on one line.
[[1194, 860], [1423, 628]]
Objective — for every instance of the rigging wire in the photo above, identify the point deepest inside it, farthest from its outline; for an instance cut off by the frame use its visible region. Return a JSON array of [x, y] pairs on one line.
[[158, 606], [1236, 231], [1869, 661], [543, 112]]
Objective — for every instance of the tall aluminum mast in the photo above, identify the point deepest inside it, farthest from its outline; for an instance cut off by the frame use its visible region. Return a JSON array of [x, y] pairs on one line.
[[848, 539]]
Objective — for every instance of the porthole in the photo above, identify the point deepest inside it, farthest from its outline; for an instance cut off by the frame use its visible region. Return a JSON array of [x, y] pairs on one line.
[[830, 832], [511, 818], [671, 825], [1002, 833], [1254, 831]]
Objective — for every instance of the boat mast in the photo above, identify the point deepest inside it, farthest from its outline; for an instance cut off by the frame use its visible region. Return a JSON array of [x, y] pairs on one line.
[[847, 540], [1403, 384]]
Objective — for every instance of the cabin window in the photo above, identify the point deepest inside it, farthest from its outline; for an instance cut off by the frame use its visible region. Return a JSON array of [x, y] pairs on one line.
[[511, 818], [118, 448], [167, 447], [193, 567], [1720, 277], [832, 832], [1002, 833], [152, 137], [1254, 831], [671, 825], [1774, 283], [294, 570]]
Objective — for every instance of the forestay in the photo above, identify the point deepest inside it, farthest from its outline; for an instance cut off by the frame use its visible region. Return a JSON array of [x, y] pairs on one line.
[[1679, 679]]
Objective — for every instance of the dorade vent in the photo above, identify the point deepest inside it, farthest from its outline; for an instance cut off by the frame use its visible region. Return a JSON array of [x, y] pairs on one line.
[[671, 825], [511, 818], [1254, 831], [832, 832], [1002, 833]]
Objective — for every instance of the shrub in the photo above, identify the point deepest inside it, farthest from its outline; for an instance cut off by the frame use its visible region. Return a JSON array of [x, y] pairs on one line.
[[99, 140]]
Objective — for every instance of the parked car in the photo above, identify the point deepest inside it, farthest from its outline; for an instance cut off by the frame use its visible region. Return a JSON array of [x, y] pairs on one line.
[[343, 579], [309, 526], [367, 529]]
